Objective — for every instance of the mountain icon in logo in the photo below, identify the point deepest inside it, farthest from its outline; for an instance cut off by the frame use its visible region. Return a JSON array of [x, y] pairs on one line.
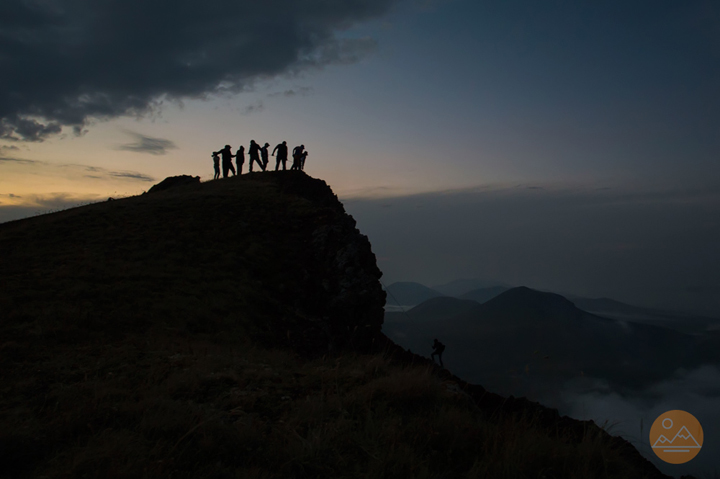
[[685, 431], [683, 439]]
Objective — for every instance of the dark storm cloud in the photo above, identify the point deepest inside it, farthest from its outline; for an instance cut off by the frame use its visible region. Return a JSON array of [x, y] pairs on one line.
[[147, 144], [66, 61]]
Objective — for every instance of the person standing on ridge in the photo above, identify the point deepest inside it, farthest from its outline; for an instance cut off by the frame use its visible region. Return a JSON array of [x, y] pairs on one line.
[[264, 155], [281, 150], [438, 349], [254, 153], [216, 164], [297, 152], [240, 159], [302, 160], [227, 157]]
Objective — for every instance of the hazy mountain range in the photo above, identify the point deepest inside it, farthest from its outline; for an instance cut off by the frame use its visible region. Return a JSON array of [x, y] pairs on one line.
[[402, 296], [520, 334]]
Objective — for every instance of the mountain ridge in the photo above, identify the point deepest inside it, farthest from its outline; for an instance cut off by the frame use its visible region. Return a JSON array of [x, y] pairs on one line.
[[232, 329]]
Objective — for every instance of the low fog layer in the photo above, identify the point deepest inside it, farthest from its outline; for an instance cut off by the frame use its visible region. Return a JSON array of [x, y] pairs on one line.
[[654, 249]]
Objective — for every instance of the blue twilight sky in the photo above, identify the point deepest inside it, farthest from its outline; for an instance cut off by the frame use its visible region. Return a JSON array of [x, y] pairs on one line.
[[564, 145]]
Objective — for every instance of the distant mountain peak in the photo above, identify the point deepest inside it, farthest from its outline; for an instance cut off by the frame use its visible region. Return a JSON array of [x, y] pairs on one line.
[[522, 298], [462, 286], [529, 294]]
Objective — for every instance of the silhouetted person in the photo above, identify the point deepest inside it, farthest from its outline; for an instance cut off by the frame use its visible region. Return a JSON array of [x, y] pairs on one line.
[[302, 159], [216, 164], [438, 349], [254, 153], [240, 158], [281, 150], [227, 157], [264, 155], [297, 152]]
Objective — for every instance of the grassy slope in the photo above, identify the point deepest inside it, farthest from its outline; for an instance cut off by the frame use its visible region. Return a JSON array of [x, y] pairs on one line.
[[134, 343]]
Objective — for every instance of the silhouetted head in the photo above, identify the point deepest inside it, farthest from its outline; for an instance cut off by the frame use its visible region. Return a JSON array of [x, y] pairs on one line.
[[302, 146], [284, 142], [227, 146], [267, 144], [252, 141]]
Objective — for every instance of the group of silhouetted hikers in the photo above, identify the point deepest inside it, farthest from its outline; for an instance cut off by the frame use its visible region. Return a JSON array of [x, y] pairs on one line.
[[258, 154]]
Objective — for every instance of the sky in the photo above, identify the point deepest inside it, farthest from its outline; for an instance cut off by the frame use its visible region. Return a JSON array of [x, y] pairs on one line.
[[570, 146]]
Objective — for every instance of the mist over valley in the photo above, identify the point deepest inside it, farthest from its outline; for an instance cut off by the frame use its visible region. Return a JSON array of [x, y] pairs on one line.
[[591, 358]]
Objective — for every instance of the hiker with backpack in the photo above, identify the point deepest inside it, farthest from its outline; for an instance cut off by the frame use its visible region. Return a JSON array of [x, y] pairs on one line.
[[438, 349]]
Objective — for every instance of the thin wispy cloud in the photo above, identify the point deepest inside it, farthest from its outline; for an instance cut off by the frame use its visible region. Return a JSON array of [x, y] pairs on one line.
[[253, 108], [7, 159], [72, 170], [301, 91], [147, 144], [131, 175]]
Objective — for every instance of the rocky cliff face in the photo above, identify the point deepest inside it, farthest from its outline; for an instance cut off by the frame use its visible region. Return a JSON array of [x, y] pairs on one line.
[[337, 295]]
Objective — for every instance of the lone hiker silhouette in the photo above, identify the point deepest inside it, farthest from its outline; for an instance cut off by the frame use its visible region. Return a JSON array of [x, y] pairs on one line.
[[264, 155], [216, 164], [438, 349], [227, 157], [297, 152], [281, 150], [240, 158], [254, 153]]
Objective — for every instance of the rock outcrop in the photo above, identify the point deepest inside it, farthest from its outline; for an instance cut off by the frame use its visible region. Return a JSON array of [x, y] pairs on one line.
[[173, 181], [336, 296]]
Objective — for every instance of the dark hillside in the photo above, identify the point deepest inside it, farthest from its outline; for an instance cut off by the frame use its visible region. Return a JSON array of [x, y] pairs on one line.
[[231, 329], [275, 253]]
